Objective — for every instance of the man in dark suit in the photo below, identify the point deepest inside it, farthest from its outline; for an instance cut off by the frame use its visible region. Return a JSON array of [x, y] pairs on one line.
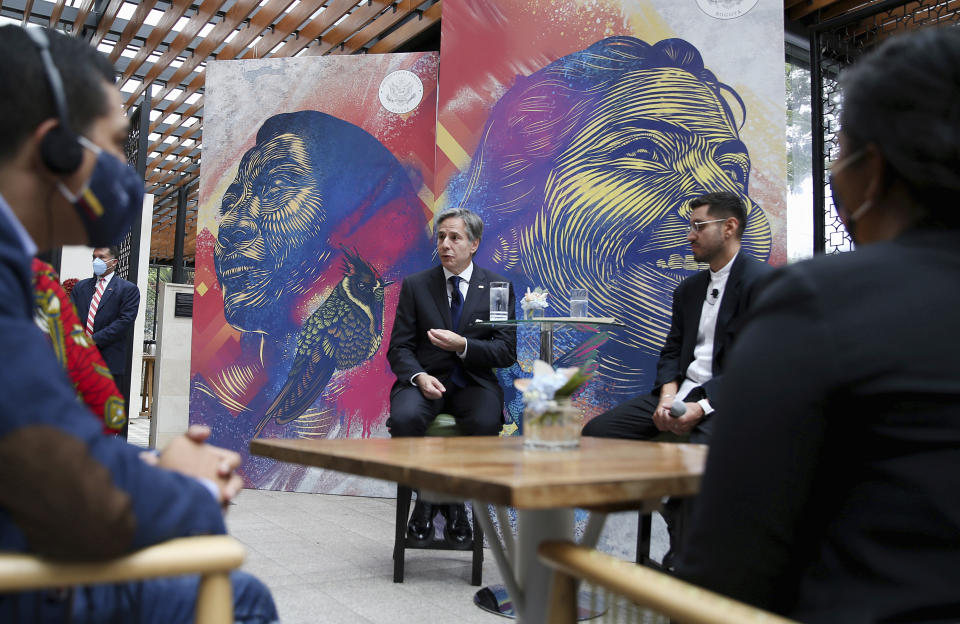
[[110, 321], [442, 358], [708, 310]]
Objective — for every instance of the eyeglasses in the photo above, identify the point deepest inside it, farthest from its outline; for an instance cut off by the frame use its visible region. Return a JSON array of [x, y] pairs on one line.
[[696, 226]]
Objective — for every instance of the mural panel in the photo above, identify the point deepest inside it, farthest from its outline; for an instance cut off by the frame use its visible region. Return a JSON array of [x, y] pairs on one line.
[[316, 191], [581, 132]]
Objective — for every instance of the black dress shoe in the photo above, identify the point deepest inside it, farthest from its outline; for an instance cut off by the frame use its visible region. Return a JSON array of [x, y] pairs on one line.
[[457, 530], [420, 526]]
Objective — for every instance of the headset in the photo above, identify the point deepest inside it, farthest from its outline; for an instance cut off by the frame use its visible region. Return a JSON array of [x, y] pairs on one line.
[[60, 148]]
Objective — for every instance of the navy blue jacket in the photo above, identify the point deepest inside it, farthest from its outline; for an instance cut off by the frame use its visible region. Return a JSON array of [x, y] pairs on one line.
[[66, 490], [114, 320]]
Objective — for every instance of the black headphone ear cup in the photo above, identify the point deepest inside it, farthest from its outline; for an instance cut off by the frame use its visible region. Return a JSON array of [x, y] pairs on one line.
[[61, 151]]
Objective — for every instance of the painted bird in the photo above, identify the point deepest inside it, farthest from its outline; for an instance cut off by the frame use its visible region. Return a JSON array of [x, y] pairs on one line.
[[345, 331]]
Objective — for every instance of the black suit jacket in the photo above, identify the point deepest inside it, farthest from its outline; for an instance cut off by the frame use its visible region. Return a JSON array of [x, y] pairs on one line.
[[423, 305], [114, 319], [831, 489], [741, 289]]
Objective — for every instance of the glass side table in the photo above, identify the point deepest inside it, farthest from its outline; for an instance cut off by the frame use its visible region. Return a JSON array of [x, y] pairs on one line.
[[548, 323]]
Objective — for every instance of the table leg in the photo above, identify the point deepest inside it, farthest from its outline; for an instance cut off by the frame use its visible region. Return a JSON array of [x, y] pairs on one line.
[[501, 554], [534, 578], [546, 343], [528, 581], [143, 387]]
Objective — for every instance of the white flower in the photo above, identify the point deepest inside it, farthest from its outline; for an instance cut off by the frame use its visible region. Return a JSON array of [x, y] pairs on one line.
[[538, 391], [534, 300]]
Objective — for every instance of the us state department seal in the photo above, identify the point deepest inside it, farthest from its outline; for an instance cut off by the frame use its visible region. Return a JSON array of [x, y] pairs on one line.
[[401, 91], [726, 9]]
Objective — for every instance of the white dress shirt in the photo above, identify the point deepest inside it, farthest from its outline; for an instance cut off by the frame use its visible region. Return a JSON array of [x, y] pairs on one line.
[[96, 282], [465, 276], [700, 370]]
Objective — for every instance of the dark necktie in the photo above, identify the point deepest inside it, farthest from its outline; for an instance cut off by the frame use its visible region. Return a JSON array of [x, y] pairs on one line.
[[457, 376], [456, 301]]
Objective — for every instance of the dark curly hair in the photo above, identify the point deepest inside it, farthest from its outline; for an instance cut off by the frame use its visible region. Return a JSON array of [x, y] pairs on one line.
[[25, 97], [905, 99]]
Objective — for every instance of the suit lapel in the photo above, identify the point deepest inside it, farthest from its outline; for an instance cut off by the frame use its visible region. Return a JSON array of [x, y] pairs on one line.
[[692, 307], [475, 292], [731, 299], [438, 288], [107, 292]]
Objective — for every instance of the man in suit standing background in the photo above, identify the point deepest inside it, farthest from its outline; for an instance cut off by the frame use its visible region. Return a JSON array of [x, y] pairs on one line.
[[443, 360], [107, 305], [708, 310]]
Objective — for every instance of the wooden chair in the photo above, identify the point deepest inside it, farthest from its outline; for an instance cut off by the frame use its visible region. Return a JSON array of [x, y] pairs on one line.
[[443, 425], [633, 591], [211, 556]]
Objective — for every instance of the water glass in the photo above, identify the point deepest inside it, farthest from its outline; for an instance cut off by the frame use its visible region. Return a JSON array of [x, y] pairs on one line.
[[579, 303], [499, 300]]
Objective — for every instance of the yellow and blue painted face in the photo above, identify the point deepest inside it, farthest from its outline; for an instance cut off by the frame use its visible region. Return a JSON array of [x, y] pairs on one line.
[[616, 204], [272, 210]]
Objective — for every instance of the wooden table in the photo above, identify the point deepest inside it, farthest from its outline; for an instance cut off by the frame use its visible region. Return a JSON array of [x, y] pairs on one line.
[[544, 486]]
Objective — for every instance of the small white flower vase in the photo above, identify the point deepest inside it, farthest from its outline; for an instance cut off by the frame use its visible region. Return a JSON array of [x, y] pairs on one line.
[[555, 430]]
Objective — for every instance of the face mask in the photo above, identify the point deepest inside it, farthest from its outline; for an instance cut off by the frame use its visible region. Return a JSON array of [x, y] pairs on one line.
[[99, 267], [109, 200], [849, 220]]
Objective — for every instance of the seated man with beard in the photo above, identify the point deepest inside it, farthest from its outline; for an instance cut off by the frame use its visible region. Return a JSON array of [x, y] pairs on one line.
[[708, 310]]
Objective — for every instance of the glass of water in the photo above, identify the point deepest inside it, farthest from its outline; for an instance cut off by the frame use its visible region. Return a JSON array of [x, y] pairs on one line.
[[579, 303], [499, 300]]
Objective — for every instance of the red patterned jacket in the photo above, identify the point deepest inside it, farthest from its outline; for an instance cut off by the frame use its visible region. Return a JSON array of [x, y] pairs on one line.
[[58, 319]]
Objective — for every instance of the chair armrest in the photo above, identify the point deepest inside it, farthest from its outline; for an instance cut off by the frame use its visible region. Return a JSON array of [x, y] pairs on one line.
[[680, 601], [188, 555]]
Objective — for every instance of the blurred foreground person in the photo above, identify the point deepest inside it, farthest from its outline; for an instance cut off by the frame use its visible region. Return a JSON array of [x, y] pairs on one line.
[[67, 491], [831, 490]]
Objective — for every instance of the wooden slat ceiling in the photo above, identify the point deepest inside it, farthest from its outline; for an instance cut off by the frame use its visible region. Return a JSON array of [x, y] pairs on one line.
[[166, 44]]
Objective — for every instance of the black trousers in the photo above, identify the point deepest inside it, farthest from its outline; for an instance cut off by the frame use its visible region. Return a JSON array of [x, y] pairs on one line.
[[478, 410], [633, 420]]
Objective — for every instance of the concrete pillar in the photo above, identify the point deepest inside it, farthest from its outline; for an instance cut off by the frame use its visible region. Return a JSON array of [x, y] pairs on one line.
[[171, 389]]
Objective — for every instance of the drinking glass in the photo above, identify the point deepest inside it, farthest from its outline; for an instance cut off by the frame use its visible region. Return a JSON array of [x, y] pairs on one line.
[[499, 300], [579, 303]]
